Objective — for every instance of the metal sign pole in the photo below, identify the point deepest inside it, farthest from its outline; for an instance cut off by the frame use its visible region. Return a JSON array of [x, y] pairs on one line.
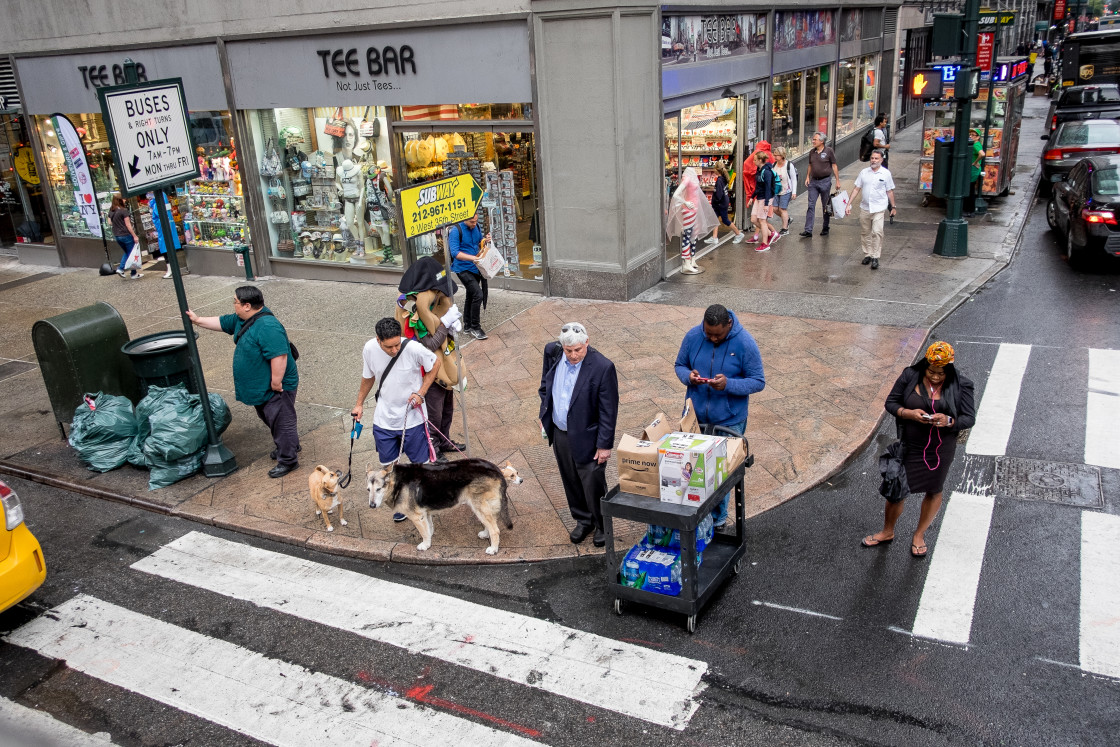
[[461, 386], [218, 461]]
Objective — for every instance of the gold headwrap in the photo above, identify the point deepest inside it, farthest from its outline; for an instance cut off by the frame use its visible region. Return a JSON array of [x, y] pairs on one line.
[[939, 353]]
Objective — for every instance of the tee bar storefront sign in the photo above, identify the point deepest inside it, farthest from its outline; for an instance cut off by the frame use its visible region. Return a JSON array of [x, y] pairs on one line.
[[150, 133], [436, 204]]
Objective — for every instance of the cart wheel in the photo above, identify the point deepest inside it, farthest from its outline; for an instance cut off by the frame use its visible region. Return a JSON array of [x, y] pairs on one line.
[[925, 200], [617, 606], [692, 623], [738, 566]]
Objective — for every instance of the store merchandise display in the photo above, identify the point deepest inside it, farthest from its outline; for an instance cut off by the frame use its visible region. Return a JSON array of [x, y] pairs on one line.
[[706, 139], [214, 205]]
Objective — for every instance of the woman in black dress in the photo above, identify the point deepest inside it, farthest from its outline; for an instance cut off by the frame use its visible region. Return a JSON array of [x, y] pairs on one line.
[[931, 403]]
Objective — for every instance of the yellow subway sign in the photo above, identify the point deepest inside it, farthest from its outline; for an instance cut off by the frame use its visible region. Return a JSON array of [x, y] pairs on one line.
[[427, 207]]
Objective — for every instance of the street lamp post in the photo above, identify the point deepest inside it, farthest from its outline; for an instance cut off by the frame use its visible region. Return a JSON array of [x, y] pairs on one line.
[[952, 232]]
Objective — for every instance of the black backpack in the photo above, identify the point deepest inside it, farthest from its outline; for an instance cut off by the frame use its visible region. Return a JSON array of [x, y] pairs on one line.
[[867, 144]]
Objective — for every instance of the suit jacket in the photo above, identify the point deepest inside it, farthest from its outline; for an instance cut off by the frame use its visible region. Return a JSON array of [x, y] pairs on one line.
[[593, 410]]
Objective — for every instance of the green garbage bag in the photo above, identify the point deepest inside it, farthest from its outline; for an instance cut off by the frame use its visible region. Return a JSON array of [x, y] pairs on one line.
[[102, 431], [166, 399]]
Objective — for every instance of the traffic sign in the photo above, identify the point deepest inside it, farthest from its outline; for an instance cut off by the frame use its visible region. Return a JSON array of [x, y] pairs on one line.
[[436, 204], [926, 84], [150, 133]]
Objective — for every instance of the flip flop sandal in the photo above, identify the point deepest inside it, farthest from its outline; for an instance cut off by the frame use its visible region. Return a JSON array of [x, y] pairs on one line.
[[914, 550], [870, 541]]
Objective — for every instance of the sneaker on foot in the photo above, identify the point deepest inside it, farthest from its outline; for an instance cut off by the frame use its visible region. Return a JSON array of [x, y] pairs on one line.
[[399, 517], [866, 261], [774, 237], [478, 334], [739, 239], [805, 234], [120, 272], [874, 264], [167, 275], [711, 240], [753, 239], [783, 232], [762, 248], [137, 276]]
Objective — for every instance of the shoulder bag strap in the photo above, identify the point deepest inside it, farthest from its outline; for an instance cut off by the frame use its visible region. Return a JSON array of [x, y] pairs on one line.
[[388, 368], [249, 323]]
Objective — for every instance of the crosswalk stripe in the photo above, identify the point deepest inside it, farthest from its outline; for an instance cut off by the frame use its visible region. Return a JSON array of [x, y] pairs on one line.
[[1102, 447], [996, 413], [654, 686], [267, 699], [949, 595], [26, 727], [1100, 593]]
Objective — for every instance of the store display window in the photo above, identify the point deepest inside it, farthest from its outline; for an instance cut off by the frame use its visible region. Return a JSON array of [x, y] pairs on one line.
[[850, 25], [803, 29], [502, 162], [855, 95], [212, 207], [58, 180], [327, 184], [800, 108], [23, 214]]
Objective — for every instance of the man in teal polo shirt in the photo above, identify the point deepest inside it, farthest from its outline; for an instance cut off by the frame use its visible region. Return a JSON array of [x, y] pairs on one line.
[[264, 370]]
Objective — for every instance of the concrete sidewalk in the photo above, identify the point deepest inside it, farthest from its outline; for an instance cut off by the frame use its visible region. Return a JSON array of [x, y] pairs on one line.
[[833, 336]]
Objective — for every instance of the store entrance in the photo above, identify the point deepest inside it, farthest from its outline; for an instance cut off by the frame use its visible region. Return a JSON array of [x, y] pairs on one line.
[[23, 216]]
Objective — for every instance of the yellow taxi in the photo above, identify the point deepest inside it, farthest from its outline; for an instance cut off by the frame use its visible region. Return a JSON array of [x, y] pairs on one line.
[[22, 569]]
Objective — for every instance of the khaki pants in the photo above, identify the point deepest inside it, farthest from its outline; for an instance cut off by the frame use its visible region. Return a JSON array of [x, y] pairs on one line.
[[871, 232]]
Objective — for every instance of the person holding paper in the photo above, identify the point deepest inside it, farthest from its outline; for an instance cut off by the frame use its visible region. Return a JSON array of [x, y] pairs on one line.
[[721, 365], [465, 244]]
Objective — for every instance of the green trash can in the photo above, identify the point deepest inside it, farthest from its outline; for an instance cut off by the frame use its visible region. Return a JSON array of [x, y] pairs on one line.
[[161, 359], [942, 165], [79, 352]]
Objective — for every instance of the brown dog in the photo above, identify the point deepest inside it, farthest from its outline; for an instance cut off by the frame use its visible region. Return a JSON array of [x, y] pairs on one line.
[[324, 492]]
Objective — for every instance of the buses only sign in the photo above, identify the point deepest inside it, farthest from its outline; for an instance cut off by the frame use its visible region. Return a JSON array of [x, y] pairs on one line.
[[150, 133]]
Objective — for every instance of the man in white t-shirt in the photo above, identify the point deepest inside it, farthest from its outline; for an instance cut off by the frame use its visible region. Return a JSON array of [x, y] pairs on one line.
[[879, 138], [876, 185], [400, 404]]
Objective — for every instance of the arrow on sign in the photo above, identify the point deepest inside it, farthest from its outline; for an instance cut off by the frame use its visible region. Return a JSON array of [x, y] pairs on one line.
[[430, 206], [132, 167]]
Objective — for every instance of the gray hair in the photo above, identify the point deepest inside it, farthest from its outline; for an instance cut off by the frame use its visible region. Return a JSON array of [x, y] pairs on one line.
[[882, 153], [573, 333], [822, 136]]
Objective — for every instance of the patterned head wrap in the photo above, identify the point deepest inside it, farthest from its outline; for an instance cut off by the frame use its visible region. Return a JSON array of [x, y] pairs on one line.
[[939, 353]]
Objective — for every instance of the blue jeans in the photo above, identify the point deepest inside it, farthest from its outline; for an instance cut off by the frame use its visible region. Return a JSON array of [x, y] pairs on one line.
[[719, 515], [126, 243]]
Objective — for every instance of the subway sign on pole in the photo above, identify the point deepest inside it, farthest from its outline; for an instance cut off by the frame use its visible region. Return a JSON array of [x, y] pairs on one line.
[[926, 84]]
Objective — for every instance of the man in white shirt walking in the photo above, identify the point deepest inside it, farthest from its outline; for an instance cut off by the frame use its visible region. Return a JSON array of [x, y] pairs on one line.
[[876, 186], [404, 370]]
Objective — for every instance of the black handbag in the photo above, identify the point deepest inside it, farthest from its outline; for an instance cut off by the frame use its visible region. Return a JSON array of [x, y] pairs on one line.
[[894, 486]]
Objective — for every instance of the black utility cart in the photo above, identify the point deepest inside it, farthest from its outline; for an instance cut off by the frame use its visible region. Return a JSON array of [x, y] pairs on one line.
[[723, 555]]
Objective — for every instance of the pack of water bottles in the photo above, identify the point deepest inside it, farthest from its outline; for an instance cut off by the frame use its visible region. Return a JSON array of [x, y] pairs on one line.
[[668, 538]]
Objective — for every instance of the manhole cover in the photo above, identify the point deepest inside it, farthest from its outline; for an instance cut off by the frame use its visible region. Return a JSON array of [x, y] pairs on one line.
[[1053, 482]]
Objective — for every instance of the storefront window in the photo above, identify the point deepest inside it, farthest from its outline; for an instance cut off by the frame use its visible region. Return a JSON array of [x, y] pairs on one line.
[[23, 215], [328, 185], [787, 113], [816, 105], [212, 207], [803, 29], [850, 25], [855, 97], [93, 134], [502, 162]]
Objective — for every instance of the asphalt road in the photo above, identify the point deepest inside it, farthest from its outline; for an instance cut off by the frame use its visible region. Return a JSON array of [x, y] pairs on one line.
[[818, 642]]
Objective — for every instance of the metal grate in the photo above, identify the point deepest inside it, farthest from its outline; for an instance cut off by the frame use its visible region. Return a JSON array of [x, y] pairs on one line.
[[8, 91], [890, 21], [1050, 482]]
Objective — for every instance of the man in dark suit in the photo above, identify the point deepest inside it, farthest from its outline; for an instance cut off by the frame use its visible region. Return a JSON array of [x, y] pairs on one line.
[[579, 407]]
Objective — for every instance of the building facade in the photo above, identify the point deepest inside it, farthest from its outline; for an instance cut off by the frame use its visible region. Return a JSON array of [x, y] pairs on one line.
[[576, 116]]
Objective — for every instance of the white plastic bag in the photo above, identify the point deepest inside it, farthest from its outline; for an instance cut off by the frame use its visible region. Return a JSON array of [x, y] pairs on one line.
[[840, 204], [134, 261]]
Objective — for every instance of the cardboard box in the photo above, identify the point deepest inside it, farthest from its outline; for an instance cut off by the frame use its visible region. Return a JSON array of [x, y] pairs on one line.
[[736, 454], [638, 457], [690, 467]]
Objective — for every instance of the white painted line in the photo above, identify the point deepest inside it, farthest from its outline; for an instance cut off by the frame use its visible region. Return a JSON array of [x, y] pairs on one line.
[[650, 685], [943, 644], [996, 413], [1102, 447], [773, 606], [949, 594], [267, 699], [25, 726], [1100, 593]]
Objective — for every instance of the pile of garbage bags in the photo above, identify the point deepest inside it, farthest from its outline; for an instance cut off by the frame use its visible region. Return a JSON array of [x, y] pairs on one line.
[[166, 433]]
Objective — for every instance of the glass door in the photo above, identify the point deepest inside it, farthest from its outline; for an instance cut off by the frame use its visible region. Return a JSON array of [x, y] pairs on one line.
[[672, 179], [23, 215]]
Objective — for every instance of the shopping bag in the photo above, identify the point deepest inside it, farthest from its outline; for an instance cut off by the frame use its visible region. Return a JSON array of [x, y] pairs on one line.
[[840, 204], [336, 125], [134, 261]]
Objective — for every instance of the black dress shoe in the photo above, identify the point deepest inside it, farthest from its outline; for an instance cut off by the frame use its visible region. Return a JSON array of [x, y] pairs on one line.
[[275, 453], [805, 234], [874, 264], [282, 469], [452, 448], [600, 538], [866, 261], [579, 534], [824, 232]]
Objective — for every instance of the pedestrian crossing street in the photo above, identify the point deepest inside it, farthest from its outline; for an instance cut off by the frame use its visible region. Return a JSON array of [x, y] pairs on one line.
[[283, 703], [948, 599]]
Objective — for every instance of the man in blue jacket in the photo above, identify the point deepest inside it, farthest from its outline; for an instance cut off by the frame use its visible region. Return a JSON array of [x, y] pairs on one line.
[[464, 244], [720, 364]]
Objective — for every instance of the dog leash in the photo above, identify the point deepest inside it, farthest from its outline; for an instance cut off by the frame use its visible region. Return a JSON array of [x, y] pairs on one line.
[[355, 434]]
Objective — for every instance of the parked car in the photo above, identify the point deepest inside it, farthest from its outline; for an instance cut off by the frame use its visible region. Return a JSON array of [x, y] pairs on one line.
[[1100, 101], [1085, 209], [1073, 141], [22, 569]]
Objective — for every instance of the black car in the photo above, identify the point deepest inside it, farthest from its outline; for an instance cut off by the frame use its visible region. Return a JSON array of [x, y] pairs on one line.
[[1073, 141], [1085, 102], [1085, 209]]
